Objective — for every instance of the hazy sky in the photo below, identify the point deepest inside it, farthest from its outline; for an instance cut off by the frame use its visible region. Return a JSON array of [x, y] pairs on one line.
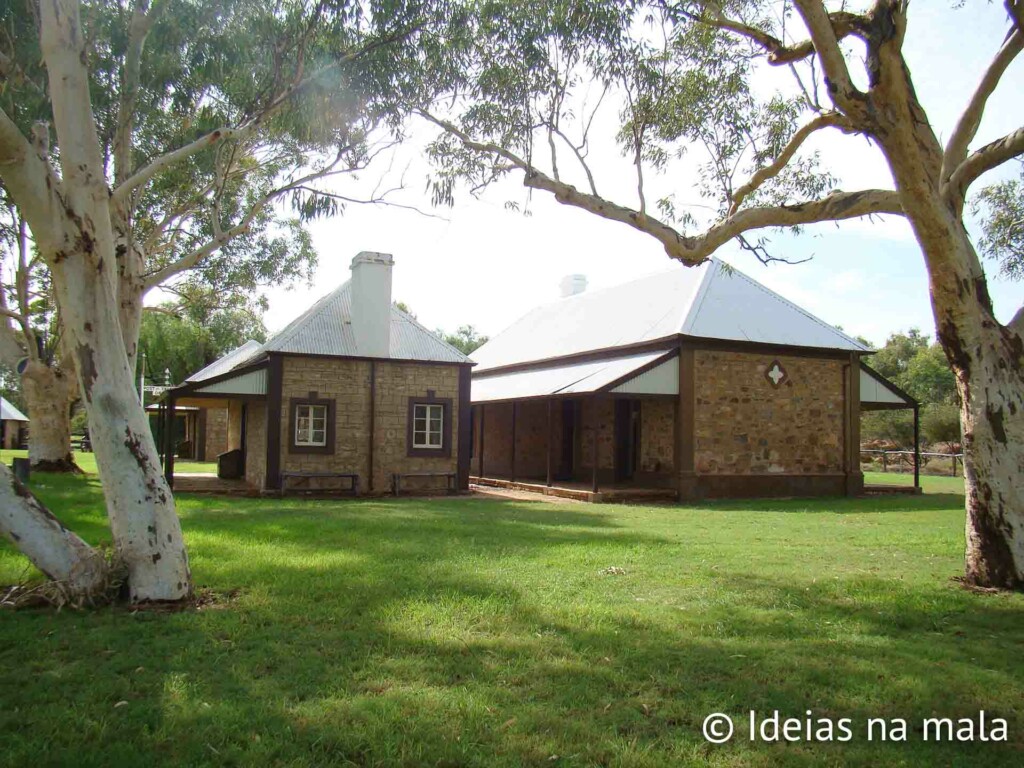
[[486, 266]]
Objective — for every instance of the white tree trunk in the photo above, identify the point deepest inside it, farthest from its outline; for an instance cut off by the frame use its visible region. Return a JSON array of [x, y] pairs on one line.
[[986, 357], [49, 393], [146, 530], [52, 548]]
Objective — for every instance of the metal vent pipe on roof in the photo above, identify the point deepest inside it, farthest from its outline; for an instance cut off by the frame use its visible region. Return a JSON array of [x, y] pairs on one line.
[[571, 285]]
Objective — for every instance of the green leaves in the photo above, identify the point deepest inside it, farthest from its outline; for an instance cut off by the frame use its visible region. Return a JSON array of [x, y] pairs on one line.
[[1000, 208]]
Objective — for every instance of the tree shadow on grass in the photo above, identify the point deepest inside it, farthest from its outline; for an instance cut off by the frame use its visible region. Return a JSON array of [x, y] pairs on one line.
[[843, 505], [411, 633]]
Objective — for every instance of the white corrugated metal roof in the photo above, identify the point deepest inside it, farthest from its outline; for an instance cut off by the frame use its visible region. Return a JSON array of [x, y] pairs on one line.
[[227, 362], [713, 301], [9, 413], [568, 379], [326, 329]]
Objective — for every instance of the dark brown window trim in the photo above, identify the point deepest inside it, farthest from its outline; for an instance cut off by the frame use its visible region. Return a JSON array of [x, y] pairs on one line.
[[445, 451], [293, 404]]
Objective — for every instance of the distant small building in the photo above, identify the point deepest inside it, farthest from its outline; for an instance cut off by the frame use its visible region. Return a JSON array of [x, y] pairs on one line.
[[352, 391], [696, 382], [13, 425]]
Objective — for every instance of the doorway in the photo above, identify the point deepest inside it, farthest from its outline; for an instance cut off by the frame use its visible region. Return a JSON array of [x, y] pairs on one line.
[[627, 439], [565, 470]]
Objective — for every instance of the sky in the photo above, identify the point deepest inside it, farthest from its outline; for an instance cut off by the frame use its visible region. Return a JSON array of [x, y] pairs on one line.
[[481, 264]]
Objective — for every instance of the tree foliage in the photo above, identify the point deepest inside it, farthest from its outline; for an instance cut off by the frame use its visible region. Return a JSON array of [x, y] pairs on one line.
[[1000, 207], [181, 338]]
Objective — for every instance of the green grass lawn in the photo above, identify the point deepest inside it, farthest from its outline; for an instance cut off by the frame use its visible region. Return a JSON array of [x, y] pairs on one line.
[[87, 461], [470, 632]]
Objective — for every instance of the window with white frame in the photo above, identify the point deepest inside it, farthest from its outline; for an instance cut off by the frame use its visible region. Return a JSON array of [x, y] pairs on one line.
[[428, 426], [311, 425]]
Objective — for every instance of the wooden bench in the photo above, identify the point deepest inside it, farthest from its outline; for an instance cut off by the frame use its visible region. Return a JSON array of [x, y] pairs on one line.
[[396, 479], [354, 478]]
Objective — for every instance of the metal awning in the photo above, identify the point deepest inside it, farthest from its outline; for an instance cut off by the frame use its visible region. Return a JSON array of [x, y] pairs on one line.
[[574, 378]]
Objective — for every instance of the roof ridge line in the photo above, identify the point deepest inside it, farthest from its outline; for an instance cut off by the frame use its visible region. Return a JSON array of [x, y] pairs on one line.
[[424, 328], [798, 308]]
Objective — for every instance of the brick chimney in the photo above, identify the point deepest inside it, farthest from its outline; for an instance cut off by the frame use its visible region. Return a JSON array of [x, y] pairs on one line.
[[371, 303]]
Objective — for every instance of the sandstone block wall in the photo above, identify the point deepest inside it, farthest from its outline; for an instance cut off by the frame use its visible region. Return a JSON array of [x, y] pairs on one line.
[[347, 382], [216, 432], [396, 383], [657, 435], [256, 444], [744, 425]]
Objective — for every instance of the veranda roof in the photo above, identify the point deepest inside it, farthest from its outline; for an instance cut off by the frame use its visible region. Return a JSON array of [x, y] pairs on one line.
[[571, 378]]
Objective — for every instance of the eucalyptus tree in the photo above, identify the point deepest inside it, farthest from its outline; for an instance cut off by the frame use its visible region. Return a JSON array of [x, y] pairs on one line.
[[159, 137], [687, 78], [31, 344]]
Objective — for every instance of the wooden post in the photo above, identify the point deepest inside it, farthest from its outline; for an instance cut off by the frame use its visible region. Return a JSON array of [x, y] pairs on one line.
[[169, 443], [686, 426], [550, 478], [593, 430], [514, 408], [885, 460], [373, 421], [917, 446], [480, 468]]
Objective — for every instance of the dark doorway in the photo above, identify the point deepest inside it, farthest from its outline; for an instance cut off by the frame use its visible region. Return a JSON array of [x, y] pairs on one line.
[[567, 458], [627, 439]]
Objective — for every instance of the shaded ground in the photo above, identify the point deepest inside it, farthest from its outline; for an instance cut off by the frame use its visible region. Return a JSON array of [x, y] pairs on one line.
[[469, 631]]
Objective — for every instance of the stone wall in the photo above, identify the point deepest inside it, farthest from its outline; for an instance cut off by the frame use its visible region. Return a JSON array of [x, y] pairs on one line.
[[347, 382], [657, 435], [216, 432], [396, 383], [256, 444], [598, 418], [746, 426]]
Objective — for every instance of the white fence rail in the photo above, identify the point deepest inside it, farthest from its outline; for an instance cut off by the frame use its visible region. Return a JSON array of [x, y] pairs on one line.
[[905, 459]]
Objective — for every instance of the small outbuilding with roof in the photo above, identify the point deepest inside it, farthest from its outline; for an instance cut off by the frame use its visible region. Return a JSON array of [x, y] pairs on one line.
[[354, 393]]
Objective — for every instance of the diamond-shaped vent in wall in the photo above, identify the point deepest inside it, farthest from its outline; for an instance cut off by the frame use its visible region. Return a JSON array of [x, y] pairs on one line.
[[776, 374]]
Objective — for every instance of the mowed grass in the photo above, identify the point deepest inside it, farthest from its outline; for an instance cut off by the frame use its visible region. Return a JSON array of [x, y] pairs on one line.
[[87, 462], [486, 632]]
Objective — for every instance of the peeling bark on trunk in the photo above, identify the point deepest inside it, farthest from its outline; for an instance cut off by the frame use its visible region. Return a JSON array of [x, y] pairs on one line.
[[84, 265], [52, 548], [986, 357], [49, 393]]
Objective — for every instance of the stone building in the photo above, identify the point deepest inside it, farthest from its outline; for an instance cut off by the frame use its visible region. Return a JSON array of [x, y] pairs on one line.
[[698, 382], [349, 395]]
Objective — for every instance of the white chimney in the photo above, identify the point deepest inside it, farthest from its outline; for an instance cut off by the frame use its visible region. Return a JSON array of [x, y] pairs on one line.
[[572, 285], [371, 303]]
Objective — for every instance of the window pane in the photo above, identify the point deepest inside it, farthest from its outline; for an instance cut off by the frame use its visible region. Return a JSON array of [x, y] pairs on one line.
[[302, 436], [419, 438], [435, 438], [319, 437]]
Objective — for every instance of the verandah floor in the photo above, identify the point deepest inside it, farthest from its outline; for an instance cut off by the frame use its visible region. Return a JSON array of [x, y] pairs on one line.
[[580, 491]]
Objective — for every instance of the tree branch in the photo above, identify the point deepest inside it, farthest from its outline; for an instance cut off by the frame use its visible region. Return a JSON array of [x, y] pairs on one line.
[[843, 23], [826, 44], [293, 89], [984, 159], [828, 120], [31, 183], [970, 120]]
